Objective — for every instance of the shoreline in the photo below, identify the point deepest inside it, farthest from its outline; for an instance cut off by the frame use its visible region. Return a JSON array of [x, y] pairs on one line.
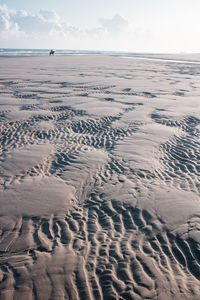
[[165, 58]]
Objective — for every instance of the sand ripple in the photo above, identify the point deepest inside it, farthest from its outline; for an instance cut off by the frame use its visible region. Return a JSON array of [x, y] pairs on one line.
[[99, 179]]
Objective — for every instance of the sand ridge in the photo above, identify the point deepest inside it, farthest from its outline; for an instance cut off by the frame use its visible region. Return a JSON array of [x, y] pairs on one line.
[[99, 179]]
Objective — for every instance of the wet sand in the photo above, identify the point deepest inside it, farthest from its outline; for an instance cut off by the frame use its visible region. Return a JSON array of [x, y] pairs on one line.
[[99, 179]]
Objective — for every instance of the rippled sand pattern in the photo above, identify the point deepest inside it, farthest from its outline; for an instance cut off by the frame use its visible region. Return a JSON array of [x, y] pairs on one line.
[[99, 179]]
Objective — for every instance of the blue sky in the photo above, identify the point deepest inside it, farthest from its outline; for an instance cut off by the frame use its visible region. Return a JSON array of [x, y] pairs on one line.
[[126, 25]]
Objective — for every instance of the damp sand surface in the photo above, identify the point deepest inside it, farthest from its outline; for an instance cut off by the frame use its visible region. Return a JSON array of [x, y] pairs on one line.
[[99, 179]]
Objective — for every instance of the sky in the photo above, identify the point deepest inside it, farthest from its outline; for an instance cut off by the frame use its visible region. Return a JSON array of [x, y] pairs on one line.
[[156, 26]]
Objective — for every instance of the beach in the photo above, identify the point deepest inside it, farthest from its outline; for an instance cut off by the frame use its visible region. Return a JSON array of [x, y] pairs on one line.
[[99, 178]]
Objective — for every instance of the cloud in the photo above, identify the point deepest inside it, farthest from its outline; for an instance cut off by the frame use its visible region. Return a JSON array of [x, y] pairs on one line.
[[115, 24], [49, 16], [19, 28], [47, 21], [6, 22], [45, 29], [23, 22]]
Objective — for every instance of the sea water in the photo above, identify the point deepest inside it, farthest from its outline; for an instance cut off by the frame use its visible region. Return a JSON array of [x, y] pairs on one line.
[[14, 52], [45, 52]]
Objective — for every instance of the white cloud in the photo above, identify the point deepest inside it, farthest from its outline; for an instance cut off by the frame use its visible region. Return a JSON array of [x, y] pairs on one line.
[[6, 22], [46, 21], [24, 22], [115, 24], [9, 28], [19, 28], [49, 16], [46, 27]]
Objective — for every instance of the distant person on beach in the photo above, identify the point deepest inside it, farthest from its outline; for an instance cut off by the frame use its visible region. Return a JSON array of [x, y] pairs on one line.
[[52, 52]]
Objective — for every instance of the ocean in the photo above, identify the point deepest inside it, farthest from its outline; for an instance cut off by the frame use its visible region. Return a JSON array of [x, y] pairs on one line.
[[45, 52], [15, 52]]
